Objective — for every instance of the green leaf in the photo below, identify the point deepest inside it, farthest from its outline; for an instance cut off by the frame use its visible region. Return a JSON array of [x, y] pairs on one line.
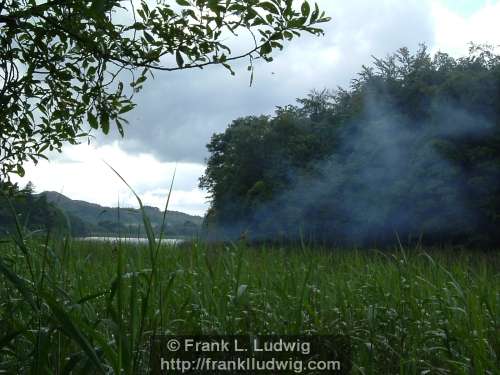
[[148, 37], [213, 5], [268, 6], [98, 7], [21, 284], [228, 67], [71, 328], [119, 126], [91, 70], [315, 14], [140, 80], [92, 120], [126, 108], [184, 3], [20, 171], [105, 122], [179, 59], [305, 9], [265, 49], [324, 19]]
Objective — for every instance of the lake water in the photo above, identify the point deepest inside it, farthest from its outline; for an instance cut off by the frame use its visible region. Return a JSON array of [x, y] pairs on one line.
[[170, 241]]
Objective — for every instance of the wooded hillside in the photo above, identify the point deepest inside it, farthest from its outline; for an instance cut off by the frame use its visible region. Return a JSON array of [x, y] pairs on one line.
[[410, 149], [52, 211]]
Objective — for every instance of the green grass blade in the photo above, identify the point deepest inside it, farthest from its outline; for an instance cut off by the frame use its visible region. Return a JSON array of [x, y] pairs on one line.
[[70, 327]]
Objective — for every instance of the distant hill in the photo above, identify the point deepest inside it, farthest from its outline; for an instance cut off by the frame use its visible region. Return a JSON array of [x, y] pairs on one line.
[[31, 212], [93, 219]]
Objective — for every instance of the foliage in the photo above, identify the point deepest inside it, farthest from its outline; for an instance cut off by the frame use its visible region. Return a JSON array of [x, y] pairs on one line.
[[32, 212], [85, 308], [50, 211], [411, 149], [63, 63], [404, 311]]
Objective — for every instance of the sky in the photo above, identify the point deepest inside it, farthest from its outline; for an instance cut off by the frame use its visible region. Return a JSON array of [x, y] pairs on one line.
[[178, 112]]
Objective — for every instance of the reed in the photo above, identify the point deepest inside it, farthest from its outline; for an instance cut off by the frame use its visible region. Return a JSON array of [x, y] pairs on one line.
[[71, 306]]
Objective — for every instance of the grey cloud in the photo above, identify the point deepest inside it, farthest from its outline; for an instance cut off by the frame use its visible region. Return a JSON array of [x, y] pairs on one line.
[[178, 112], [185, 179]]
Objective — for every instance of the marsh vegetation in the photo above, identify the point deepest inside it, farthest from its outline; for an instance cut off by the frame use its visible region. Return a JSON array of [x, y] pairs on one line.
[[91, 307]]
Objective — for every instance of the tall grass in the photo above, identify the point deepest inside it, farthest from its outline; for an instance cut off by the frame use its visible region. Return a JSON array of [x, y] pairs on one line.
[[88, 307], [94, 309]]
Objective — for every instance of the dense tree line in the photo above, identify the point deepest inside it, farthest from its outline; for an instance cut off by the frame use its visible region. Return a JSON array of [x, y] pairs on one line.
[[410, 150], [33, 212]]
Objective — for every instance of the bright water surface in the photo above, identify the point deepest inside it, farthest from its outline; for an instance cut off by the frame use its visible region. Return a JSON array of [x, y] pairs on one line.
[[170, 241]]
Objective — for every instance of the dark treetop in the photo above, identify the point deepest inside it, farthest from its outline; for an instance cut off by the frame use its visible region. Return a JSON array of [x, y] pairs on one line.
[[411, 149]]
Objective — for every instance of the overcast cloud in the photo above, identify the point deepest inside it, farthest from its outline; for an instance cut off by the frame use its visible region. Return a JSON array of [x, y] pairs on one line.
[[178, 112]]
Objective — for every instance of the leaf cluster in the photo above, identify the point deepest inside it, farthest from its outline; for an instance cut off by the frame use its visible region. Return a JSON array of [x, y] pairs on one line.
[[67, 67]]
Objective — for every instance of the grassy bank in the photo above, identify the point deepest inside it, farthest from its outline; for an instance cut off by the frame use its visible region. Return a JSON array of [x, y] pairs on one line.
[[87, 306]]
